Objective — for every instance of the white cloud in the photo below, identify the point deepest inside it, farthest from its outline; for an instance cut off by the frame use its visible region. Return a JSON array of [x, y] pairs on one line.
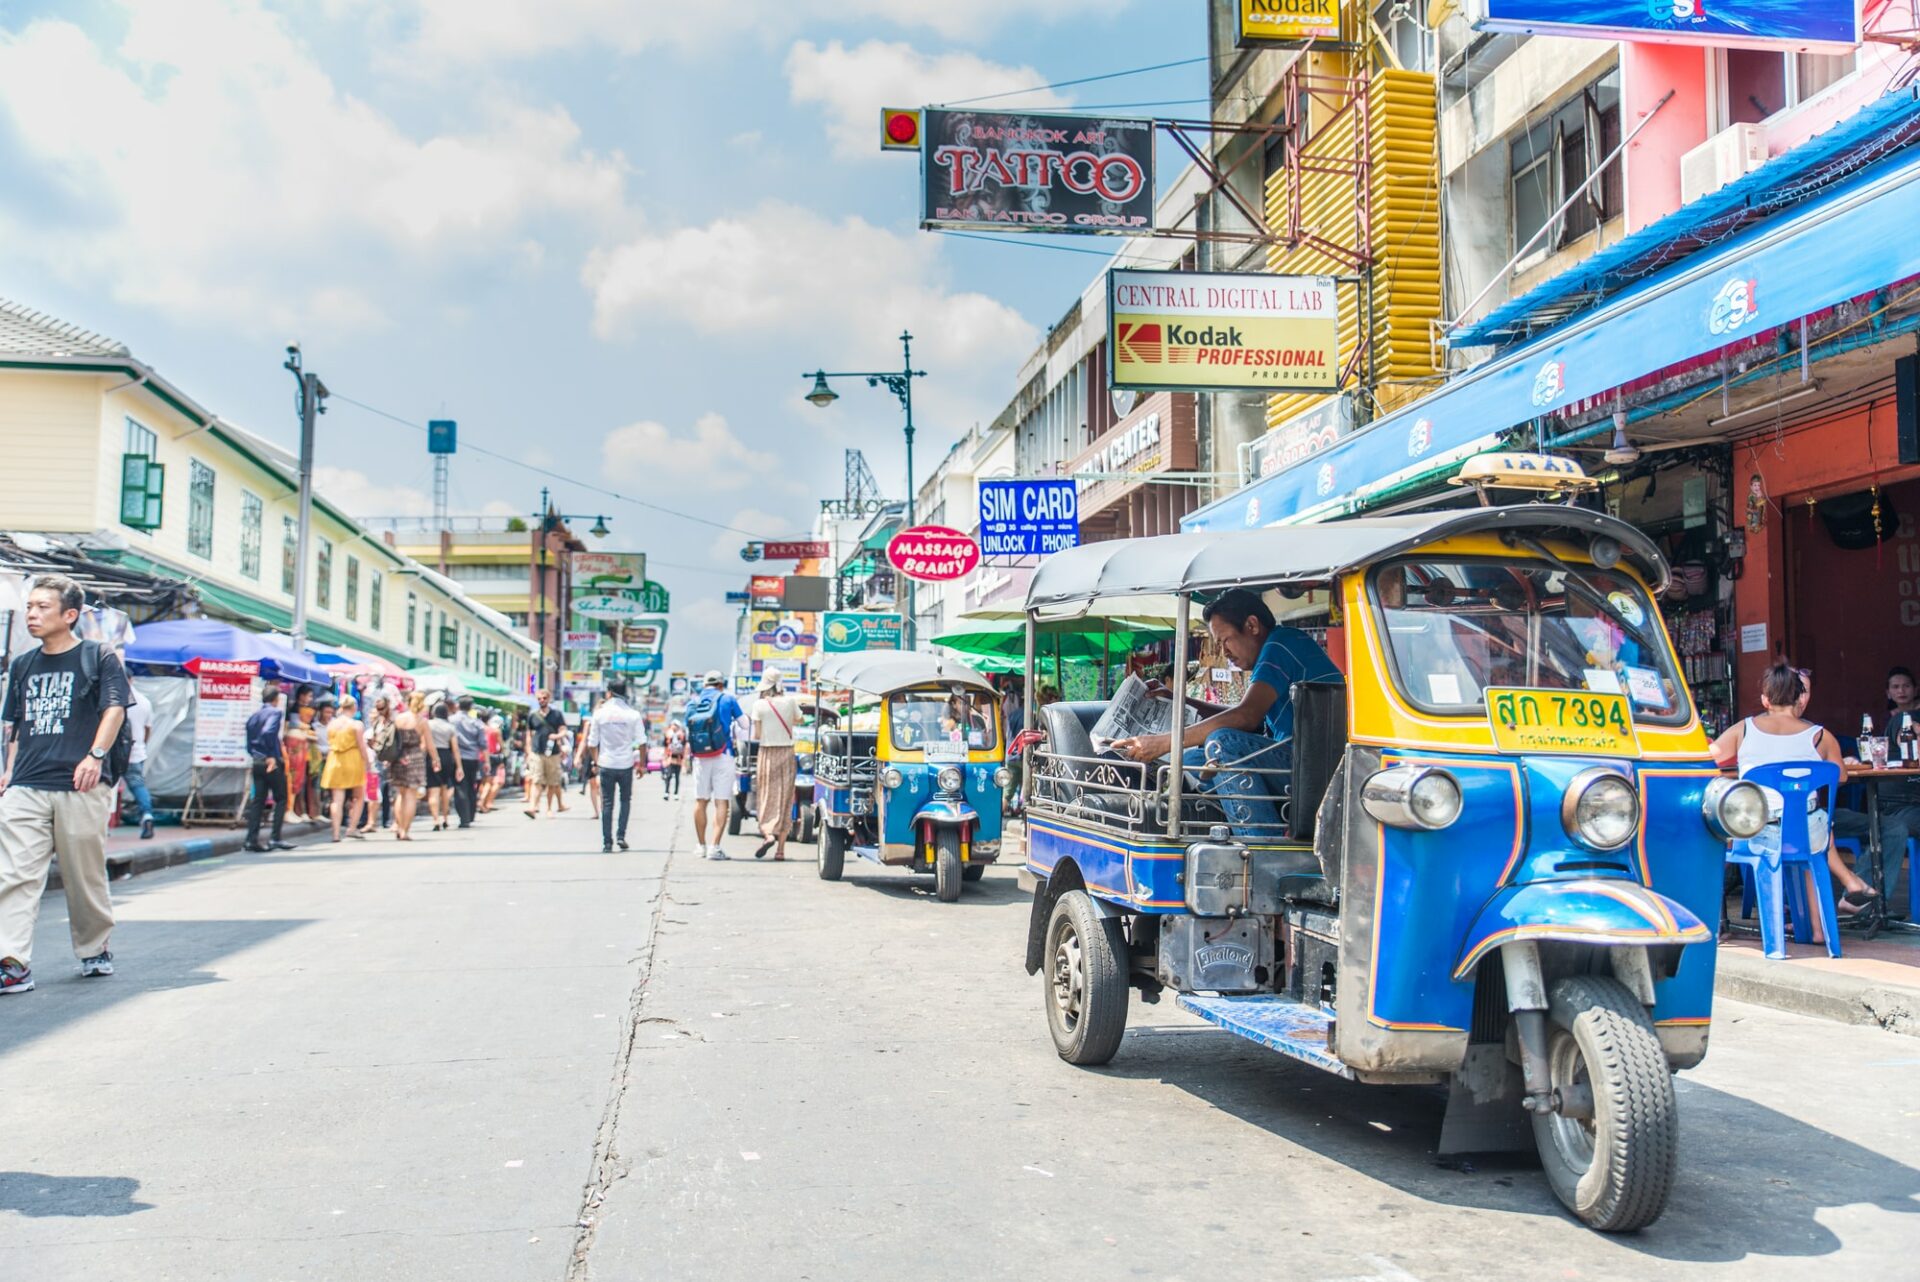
[[225, 176], [766, 525], [361, 496], [710, 456], [852, 85], [839, 288]]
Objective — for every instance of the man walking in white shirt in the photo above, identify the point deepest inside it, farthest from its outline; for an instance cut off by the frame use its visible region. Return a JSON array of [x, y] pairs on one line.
[[615, 733]]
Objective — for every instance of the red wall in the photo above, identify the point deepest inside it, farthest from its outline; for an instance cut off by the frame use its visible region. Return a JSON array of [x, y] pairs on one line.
[[1653, 160]]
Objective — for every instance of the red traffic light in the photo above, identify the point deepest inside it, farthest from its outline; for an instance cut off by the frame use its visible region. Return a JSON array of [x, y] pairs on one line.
[[899, 129]]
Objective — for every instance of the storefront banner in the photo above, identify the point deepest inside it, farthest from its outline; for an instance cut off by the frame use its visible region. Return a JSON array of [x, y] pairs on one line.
[[634, 661], [1286, 22], [806, 550], [581, 679], [1138, 448], [851, 631], [1222, 332], [767, 589], [792, 672], [604, 571], [1018, 171], [610, 606], [1028, 518], [227, 695], [739, 598], [1861, 237], [1320, 428], [642, 636], [581, 640], [933, 553], [786, 638], [1740, 24]]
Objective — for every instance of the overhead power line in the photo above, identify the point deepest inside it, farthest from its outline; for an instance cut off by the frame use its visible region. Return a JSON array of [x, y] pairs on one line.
[[549, 472], [1083, 80]]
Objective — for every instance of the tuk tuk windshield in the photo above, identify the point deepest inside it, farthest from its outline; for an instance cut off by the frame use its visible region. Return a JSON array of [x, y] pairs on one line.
[[919, 717], [1455, 626]]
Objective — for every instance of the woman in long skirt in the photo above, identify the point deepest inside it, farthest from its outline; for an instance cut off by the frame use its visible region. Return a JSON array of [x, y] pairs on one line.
[[775, 769]]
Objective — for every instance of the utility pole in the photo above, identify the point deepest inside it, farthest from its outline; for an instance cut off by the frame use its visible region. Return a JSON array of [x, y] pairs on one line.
[[312, 397]]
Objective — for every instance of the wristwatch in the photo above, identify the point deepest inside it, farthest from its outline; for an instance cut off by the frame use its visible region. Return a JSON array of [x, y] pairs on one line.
[[98, 754]]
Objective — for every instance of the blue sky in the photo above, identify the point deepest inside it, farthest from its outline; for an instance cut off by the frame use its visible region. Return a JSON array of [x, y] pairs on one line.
[[606, 236]]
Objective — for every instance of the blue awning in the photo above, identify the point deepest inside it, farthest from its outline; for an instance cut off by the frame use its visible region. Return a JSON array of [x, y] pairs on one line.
[[1851, 241], [1872, 134]]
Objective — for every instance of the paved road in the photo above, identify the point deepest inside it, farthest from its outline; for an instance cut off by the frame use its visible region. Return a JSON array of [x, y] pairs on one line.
[[371, 1062]]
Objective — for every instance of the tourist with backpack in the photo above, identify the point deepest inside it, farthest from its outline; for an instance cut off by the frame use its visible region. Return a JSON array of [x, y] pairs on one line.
[[710, 718], [66, 707]]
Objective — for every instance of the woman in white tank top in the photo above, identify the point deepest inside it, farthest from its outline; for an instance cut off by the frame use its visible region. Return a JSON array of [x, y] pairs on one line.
[[1778, 735]]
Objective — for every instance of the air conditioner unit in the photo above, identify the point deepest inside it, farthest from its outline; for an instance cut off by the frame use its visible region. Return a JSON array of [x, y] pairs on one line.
[[1719, 160]]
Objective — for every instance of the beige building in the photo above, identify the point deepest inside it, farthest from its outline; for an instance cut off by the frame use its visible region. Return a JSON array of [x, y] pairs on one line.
[[106, 454]]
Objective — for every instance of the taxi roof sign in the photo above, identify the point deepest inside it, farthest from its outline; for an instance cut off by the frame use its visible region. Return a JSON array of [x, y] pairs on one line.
[[899, 129], [1515, 471]]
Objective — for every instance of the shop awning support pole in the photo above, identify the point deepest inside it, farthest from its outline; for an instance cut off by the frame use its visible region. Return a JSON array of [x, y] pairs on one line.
[[1460, 317], [1176, 751], [1030, 708]]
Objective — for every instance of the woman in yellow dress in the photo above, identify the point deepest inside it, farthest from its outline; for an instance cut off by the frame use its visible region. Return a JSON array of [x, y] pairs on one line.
[[345, 777]]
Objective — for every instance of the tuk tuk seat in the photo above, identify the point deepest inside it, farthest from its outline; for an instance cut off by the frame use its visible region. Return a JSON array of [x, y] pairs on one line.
[[835, 742], [1069, 734]]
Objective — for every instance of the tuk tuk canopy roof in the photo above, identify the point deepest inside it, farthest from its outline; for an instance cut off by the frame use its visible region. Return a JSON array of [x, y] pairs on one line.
[[884, 671], [1216, 560]]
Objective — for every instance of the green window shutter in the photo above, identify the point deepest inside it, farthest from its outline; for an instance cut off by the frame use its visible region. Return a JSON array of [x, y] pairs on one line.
[[142, 489]]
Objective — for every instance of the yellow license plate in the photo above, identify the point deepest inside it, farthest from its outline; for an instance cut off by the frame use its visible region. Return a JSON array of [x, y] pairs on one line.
[[1570, 721]]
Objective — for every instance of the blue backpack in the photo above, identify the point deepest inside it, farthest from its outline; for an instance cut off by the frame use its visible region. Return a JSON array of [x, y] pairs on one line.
[[705, 738]]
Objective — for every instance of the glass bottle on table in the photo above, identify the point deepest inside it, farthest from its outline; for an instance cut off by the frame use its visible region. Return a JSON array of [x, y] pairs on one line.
[[1909, 742]]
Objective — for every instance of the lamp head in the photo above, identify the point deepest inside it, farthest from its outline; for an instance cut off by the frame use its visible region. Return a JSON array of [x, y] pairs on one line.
[[822, 395], [599, 530]]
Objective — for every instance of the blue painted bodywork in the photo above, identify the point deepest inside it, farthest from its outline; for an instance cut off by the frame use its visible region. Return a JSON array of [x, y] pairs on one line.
[[1139, 872], [903, 808], [1278, 1023]]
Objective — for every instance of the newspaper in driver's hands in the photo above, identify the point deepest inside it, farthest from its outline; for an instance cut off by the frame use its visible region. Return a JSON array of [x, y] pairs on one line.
[[1133, 712]]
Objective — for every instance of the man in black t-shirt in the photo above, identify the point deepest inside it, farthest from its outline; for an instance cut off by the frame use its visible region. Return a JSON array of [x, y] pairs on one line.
[[544, 774], [66, 702]]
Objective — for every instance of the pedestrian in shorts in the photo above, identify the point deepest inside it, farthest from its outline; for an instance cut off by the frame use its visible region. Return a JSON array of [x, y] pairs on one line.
[[545, 775], [66, 704]]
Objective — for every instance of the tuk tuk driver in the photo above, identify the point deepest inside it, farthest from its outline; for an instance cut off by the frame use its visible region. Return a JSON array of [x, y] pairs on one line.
[[1256, 732]]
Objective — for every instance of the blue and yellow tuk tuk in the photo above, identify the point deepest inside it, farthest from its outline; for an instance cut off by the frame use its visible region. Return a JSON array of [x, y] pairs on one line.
[[1494, 853], [912, 775]]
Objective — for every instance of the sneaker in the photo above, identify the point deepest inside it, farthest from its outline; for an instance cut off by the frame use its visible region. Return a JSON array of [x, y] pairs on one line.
[[622, 843], [14, 978], [146, 827], [101, 965], [254, 848], [718, 854], [606, 847]]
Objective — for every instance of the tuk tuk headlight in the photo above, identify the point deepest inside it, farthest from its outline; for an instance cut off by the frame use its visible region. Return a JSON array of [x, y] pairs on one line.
[[949, 779], [1734, 809], [1002, 777], [892, 778], [1412, 797], [1601, 809]]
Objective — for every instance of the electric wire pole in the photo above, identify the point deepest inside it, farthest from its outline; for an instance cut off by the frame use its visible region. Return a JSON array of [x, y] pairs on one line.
[[311, 401]]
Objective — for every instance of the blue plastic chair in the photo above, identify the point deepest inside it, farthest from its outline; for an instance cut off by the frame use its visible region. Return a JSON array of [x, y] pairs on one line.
[[1767, 872]]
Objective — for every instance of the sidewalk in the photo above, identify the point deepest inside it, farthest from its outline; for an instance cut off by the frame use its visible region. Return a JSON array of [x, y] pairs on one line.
[[1873, 981]]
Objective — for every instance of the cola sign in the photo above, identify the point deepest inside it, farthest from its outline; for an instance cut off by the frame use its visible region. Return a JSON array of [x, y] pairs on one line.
[[1018, 171], [933, 553]]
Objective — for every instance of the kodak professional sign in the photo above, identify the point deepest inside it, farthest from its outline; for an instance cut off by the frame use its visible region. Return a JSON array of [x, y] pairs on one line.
[[1194, 331], [1288, 22]]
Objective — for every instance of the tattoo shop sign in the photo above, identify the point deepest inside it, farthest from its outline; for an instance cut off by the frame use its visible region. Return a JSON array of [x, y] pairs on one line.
[[1018, 171]]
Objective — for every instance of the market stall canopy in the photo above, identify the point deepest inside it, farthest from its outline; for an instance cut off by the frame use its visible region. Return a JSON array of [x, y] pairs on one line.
[[457, 681], [349, 662], [884, 671], [175, 641], [1204, 561], [1086, 643]]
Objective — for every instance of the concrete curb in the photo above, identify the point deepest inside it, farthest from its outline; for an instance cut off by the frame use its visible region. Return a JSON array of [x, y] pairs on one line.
[[1842, 998], [160, 853]]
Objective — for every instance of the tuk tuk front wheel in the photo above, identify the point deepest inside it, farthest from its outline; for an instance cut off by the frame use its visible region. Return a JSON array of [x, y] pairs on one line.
[[946, 864], [973, 872], [1086, 981], [736, 811], [809, 825], [1611, 1147], [833, 853]]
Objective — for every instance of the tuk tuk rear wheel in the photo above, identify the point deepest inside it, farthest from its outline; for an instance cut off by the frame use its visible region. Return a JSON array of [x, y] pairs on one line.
[[946, 864], [1086, 981], [1613, 1169], [809, 825], [736, 811], [833, 853], [973, 872]]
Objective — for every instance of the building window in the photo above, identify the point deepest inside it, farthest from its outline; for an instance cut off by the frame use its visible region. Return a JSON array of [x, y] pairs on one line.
[[323, 582], [252, 517], [353, 589], [142, 480], [373, 601], [1758, 83], [1551, 160], [449, 639], [1402, 26], [413, 613], [289, 553], [200, 509]]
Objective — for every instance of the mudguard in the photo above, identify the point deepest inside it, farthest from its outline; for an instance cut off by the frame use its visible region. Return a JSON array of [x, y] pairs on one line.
[[946, 813], [1584, 911]]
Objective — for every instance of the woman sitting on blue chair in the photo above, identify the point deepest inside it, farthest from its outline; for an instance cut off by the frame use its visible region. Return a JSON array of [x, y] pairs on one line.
[[1781, 735]]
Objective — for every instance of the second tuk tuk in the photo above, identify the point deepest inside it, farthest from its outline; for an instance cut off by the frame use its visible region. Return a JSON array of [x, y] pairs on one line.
[[913, 774], [1488, 859]]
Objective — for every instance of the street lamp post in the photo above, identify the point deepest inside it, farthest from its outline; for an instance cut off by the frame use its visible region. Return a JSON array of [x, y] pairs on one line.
[[546, 519], [900, 383]]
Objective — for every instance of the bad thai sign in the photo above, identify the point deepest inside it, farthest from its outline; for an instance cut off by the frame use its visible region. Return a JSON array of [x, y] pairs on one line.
[[1017, 171], [1221, 332]]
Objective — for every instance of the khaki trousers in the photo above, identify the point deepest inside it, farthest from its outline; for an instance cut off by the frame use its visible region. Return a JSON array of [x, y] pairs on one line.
[[33, 825]]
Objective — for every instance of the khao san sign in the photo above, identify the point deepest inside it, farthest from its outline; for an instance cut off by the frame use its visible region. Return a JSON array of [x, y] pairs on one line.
[[933, 553]]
